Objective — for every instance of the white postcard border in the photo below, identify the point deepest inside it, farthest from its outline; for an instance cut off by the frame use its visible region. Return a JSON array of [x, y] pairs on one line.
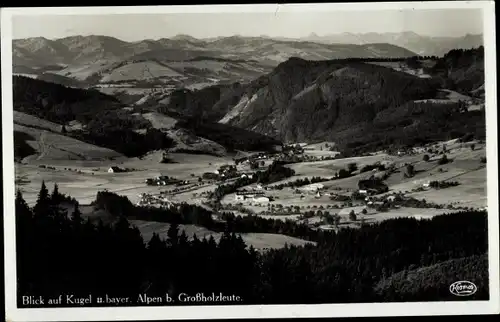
[[250, 311]]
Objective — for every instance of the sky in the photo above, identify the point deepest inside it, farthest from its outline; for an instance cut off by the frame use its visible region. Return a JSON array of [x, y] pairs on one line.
[[440, 22]]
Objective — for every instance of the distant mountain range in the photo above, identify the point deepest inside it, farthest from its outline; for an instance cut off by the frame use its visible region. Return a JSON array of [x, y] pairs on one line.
[[81, 50], [422, 45]]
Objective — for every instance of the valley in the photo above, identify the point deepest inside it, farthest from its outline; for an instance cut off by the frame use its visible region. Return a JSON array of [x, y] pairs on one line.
[[81, 179], [149, 118]]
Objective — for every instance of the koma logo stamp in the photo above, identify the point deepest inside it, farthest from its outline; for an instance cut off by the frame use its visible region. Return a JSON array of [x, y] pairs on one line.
[[463, 288]]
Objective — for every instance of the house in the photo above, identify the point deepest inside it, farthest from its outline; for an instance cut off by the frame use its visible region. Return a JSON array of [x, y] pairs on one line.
[[391, 198], [114, 169], [239, 197]]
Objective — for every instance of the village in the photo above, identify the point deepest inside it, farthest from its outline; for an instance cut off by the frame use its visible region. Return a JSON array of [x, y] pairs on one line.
[[356, 190]]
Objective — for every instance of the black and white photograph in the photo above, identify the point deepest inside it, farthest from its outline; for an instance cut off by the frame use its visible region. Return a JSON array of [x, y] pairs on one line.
[[243, 161]]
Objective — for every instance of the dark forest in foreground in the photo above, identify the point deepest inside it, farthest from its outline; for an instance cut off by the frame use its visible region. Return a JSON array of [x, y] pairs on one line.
[[395, 260]]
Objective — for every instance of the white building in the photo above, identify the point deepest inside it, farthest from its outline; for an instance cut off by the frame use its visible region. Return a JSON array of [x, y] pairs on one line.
[[261, 199], [239, 197], [391, 198], [113, 169], [313, 187]]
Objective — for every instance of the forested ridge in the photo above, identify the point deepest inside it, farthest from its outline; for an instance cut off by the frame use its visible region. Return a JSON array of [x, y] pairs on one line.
[[60, 253], [346, 101], [58, 103], [107, 124], [461, 70]]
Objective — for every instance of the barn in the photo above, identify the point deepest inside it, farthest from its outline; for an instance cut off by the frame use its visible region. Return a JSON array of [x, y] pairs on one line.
[[114, 169]]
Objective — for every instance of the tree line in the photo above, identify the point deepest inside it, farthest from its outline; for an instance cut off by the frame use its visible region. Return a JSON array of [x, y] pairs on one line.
[[58, 252]]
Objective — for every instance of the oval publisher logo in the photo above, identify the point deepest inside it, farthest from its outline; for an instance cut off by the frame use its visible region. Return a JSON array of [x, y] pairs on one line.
[[463, 288]]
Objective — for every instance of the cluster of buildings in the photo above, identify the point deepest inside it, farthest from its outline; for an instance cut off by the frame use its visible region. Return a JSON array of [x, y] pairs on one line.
[[227, 171], [163, 181], [256, 196], [256, 157], [147, 199]]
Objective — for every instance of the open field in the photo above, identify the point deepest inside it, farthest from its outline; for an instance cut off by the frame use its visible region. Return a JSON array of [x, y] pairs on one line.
[[27, 120], [82, 72], [160, 121], [403, 67], [139, 71], [185, 140], [259, 241], [94, 176], [51, 146]]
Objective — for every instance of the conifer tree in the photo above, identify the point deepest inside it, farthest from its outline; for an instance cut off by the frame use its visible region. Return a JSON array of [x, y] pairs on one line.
[[42, 207], [173, 234], [195, 240], [211, 243], [55, 197], [76, 217], [155, 244], [23, 211], [183, 239]]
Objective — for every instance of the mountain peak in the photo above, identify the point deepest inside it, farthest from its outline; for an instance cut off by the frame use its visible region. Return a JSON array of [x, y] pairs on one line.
[[184, 37]]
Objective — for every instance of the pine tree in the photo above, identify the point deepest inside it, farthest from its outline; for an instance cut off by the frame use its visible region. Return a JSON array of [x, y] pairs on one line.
[[55, 197], [195, 240], [155, 244], [42, 207], [183, 239], [173, 234], [76, 217], [211, 243], [23, 211]]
